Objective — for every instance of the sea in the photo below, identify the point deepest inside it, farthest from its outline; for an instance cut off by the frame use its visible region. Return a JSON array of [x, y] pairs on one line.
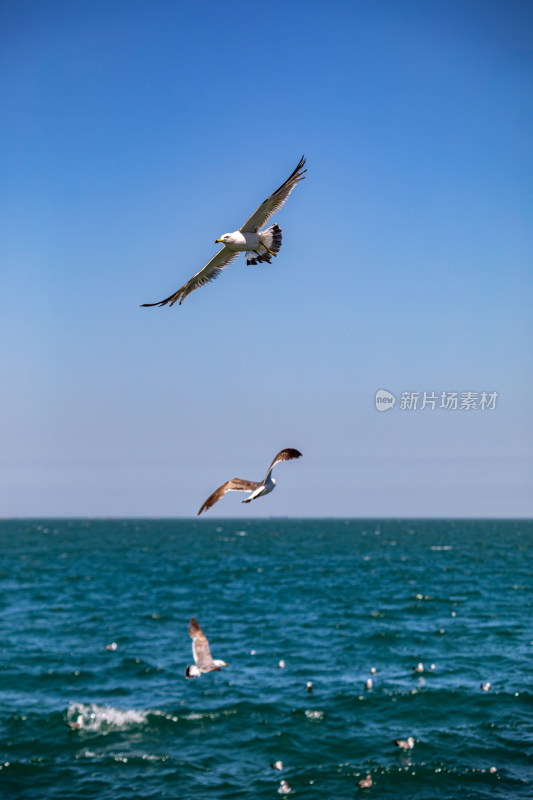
[[94, 618]]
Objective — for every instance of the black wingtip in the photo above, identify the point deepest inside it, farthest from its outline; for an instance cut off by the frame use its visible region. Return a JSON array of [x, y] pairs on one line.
[[170, 299], [293, 452], [301, 165]]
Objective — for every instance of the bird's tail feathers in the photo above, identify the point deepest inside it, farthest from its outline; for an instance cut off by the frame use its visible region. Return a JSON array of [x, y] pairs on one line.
[[192, 671], [271, 238], [270, 244]]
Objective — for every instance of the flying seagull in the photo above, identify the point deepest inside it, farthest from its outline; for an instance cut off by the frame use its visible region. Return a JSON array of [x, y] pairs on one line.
[[203, 660], [257, 489], [259, 245]]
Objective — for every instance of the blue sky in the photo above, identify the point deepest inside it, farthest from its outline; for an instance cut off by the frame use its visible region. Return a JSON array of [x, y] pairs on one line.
[[134, 134]]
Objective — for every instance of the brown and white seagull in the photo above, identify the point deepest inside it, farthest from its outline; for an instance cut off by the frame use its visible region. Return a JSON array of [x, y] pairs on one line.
[[203, 660], [259, 245], [257, 489]]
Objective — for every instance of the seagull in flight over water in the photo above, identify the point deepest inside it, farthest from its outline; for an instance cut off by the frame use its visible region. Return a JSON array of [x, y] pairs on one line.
[[257, 488], [259, 245], [203, 660]]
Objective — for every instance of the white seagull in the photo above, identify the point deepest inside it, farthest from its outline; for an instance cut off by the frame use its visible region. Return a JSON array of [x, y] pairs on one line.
[[203, 660], [259, 245], [257, 488], [405, 744]]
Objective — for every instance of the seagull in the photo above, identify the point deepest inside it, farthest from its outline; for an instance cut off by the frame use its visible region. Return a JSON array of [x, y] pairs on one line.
[[257, 489], [419, 667], [485, 686], [259, 245], [369, 683], [203, 661], [277, 765], [309, 686], [365, 783], [284, 788], [405, 744]]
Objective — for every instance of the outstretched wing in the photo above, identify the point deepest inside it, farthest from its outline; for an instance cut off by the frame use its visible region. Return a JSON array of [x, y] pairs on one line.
[[235, 485], [276, 200], [283, 455], [200, 646], [208, 273]]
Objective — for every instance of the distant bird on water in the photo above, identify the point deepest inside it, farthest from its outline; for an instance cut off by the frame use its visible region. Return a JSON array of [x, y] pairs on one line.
[[365, 783], [284, 788], [485, 686], [203, 661], [257, 489], [405, 744], [277, 765], [259, 245]]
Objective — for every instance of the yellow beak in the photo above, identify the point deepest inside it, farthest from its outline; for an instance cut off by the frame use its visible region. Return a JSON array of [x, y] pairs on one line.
[[217, 240]]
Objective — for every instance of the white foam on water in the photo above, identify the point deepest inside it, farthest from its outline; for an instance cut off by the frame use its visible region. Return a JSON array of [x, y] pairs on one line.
[[195, 715], [92, 717]]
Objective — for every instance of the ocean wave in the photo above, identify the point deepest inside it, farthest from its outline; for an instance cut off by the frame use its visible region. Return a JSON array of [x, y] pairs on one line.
[[102, 719], [95, 718], [124, 757]]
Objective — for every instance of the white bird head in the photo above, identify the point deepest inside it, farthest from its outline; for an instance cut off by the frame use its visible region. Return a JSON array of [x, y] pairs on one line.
[[226, 238], [219, 663]]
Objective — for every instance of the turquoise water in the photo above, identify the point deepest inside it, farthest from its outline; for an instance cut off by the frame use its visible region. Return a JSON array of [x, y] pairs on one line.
[[332, 598]]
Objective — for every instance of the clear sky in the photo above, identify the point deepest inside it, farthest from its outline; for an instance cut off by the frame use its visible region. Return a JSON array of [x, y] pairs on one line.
[[134, 134]]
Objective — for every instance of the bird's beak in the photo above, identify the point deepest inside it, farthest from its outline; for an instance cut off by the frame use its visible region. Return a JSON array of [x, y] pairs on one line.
[[217, 240]]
